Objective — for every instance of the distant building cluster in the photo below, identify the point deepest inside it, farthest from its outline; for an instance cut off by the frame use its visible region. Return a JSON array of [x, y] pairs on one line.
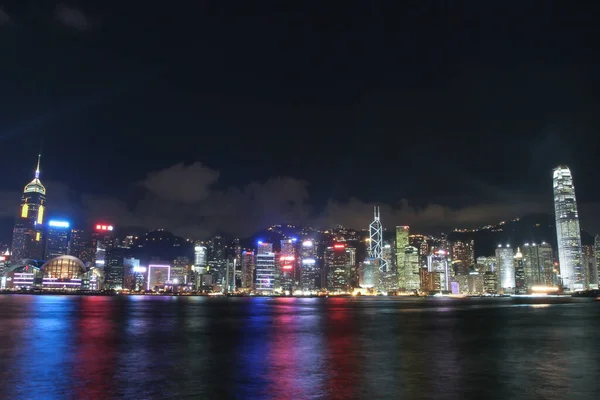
[[53, 255]]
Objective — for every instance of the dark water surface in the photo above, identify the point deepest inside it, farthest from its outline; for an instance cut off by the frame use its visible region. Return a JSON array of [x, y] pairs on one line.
[[54, 347]]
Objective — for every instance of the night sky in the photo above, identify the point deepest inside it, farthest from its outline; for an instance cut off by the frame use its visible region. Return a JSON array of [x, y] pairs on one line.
[[234, 115]]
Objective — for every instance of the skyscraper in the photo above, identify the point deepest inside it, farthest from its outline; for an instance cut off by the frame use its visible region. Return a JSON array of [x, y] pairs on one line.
[[401, 243], [537, 262], [287, 263], [463, 255], [590, 267], [568, 234], [338, 266], [81, 245], [199, 258], [102, 243], [411, 280], [57, 239], [217, 258], [506, 268], [28, 232], [376, 238], [248, 266], [309, 268], [520, 287], [265, 268], [597, 255], [400, 250]]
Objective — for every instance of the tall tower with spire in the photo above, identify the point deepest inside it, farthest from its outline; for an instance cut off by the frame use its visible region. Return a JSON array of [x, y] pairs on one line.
[[28, 231]]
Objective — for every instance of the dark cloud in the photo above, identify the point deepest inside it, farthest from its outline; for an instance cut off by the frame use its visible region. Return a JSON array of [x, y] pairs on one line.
[[72, 17], [430, 218], [187, 201], [5, 19], [180, 183]]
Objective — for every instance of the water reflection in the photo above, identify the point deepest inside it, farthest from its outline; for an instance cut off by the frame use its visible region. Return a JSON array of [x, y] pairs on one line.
[[184, 347], [96, 347]]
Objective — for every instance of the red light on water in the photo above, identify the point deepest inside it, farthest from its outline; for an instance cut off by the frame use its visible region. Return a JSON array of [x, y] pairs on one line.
[[287, 267]]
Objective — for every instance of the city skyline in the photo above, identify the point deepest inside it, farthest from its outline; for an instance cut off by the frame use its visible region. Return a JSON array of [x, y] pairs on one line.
[[423, 131], [73, 214], [46, 254]]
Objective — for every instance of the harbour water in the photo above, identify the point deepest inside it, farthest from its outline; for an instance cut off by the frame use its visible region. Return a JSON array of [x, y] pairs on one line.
[[145, 347]]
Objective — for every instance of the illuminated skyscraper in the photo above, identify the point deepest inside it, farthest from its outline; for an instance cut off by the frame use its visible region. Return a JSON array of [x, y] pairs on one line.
[[410, 281], [520, 287], [463, 254], [597, 255], [217, 258], [81, 245], [199, 259], [438, 270], [248, 266], [57, 239], [506, 268], [308, 264], [287, 264], [538, 264], [28, 232], [568, 234], [368, 272], [265, 268], [376, 238], [102, 243], [590, 267], [401, 243], [338, 266]]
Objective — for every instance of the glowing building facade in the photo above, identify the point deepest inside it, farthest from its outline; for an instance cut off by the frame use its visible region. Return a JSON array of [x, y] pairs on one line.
[[338, 262], [310, 273], [265, 268], [463, 255], [520, 287], [437, 273], [248, 267], [506, 268], [287, 264], [200, 258], [401, 243], [538, 264], [590, 267], [568, 235], [410, 280], [28, 231], [57, 239]]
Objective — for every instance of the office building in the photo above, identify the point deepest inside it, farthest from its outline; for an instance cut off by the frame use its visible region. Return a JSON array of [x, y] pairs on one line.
[[338, 266], [287, 264], [538, 264], [57, 239], [520, 287], [401, 243], [506, 268], [28, 232], [265, 268], [568, 235], [81, 245], [248, 267], [102, 243], [589, 266], [310, 273], [408, 275]]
